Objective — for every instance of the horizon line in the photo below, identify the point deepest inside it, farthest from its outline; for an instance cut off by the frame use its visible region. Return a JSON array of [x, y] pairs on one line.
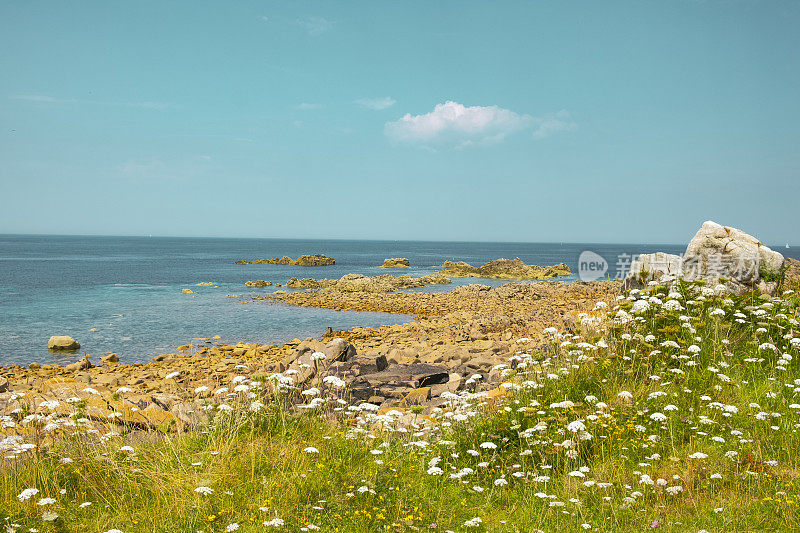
[[344, 239]]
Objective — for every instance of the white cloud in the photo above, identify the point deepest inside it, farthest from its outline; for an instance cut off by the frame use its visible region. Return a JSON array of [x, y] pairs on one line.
[[377, 103], [53, 100], [39, 98], [454, 124], [552, 123], [306, 106], [315, 25]]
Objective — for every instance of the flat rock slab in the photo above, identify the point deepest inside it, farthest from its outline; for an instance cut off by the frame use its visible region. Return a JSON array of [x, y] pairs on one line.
[[419, 374]]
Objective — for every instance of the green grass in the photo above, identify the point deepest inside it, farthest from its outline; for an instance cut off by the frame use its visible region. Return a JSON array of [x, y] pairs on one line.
[[720, 391]]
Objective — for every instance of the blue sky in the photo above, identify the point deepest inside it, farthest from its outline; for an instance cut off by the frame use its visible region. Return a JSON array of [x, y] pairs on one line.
[[501, 121]]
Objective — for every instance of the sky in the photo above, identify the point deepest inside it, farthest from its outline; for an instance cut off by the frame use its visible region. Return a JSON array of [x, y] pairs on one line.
[[568, 121]]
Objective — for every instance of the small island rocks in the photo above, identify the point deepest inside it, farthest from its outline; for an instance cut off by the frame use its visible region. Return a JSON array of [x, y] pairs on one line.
[[503, 269], [396, 262], [361, 283], [303, 260], [258, 283]]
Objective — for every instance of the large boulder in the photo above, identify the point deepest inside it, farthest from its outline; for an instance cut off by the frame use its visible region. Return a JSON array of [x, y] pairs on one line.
[[716, 254], [62, 342], [723, 252]]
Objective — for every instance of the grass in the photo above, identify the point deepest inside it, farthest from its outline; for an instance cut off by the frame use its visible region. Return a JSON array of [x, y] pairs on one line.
[[677, 410]]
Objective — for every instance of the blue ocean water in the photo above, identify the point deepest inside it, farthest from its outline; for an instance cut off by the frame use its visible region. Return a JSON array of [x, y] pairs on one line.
[[129, 288]]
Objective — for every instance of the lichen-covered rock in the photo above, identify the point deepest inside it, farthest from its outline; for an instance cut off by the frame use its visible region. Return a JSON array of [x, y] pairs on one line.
[[718, 251], [62, 342], [396, 262], [503, 269]]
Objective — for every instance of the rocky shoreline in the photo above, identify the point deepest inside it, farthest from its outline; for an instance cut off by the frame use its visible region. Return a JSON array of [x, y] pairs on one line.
[[457, 335]]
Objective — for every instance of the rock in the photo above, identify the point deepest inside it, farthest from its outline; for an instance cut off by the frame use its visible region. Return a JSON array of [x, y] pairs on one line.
[[370, 364], [314, 260], [477, 335], [187, 291], [396, 391], [338, 349], [258, 283], [723, 252], [503, 268], [417, 396], [34, 366], [109, 359], [791, 276], [361, 390], [419, 375], [396, 262], [303, 260], [3, 384], [454, 384], [715, 254], [652, 267], [62, 342]]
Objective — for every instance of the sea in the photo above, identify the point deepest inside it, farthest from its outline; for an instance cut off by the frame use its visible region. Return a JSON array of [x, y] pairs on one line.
[[124, 295]]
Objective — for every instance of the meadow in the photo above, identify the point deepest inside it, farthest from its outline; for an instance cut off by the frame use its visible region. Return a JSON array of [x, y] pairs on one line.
[[677, 408]]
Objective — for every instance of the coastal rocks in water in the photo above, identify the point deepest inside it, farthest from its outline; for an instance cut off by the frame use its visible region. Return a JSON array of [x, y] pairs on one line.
[[62, 342], [653, 267], [504, 269], [396, 262], [258, 283], [361, 283], [303, 260], [723, 252], [187, 291]]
